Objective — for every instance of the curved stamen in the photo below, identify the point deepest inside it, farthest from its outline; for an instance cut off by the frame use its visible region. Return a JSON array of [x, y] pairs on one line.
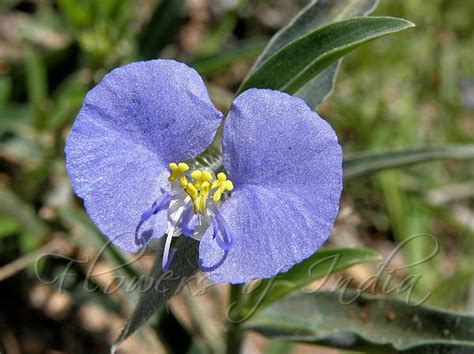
[[189, 222], [213, 267], [162, 203], [167, 255], [215, 228], [226, 242]]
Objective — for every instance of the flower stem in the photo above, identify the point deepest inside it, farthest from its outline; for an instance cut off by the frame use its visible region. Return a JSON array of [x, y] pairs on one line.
[[235, 333]]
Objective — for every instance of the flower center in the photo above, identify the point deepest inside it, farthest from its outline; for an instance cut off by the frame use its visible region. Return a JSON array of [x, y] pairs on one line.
[[203, 184], [192, 206]]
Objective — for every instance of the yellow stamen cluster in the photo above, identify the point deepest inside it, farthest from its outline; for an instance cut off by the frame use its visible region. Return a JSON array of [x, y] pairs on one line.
[[201, 187]]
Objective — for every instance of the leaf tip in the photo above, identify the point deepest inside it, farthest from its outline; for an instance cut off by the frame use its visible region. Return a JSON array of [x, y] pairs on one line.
[[376, 256], [371, 255], [409, 23], [406, 23], [400, 23]]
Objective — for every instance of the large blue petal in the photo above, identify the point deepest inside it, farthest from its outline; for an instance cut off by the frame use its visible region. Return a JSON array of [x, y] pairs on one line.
[[132, 124], [286, 165]]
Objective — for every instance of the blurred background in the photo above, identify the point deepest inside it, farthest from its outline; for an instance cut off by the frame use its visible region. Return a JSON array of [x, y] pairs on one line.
[[59, 287]]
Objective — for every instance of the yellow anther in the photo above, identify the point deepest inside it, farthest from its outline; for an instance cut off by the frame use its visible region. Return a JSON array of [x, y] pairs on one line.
[[201, 176], [220, 177], [178, 170], [196, 174], [206, 176], [222, 184], [174, 168], [229, 185], [183, 167], [217, 195]]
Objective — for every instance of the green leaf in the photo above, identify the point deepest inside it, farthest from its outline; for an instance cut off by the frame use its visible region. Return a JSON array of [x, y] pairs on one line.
[[322, 264], [161, 286], [319, 88], [86, 232], [316, 15], [365, 163], [364, 322], [296, 64]]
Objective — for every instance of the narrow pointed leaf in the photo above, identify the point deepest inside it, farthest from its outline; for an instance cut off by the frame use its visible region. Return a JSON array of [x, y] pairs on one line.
[[365, 163], [160, 286], [321, 87], [367, 323], [322, 264], [293, 66], [317, 14]]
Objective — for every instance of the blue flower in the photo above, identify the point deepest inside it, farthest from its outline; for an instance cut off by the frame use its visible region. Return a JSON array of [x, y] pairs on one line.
[[126, 154]]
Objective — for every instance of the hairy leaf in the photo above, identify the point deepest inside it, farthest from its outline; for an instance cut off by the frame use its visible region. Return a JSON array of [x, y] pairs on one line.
[[317, 14], [161, 286], [293, 66], [322, 264], [365, 163], [363, 322]]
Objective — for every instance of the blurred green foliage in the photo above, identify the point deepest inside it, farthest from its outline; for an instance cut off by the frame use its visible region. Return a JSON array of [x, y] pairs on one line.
[[413, 82]]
